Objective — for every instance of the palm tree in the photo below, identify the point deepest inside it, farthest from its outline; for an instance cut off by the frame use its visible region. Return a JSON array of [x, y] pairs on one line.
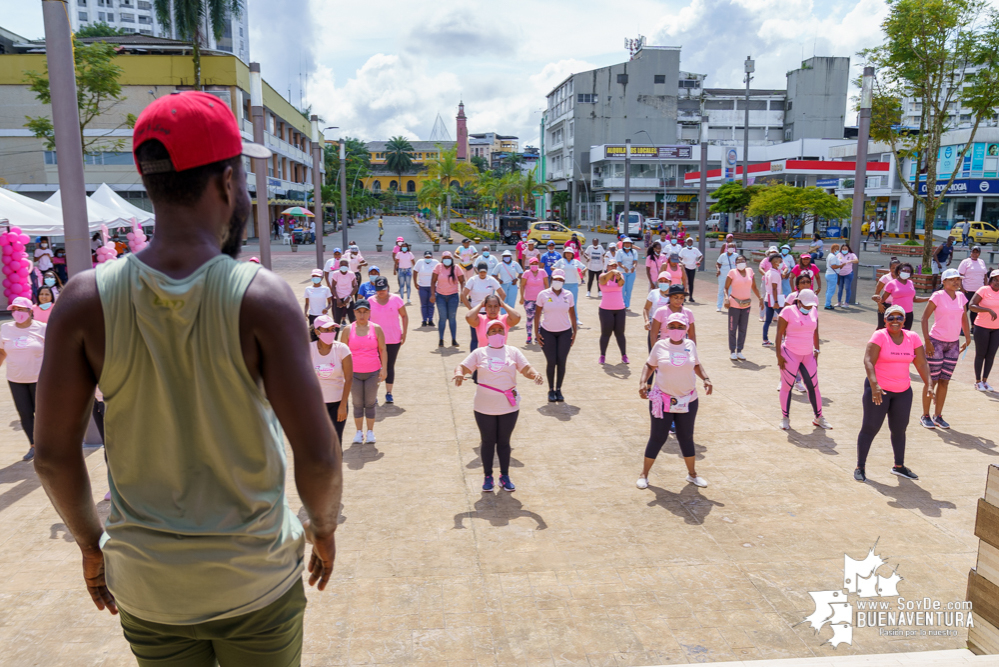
[[447, 168], [532, 187], [399, 155], [490, 190], [194, 18], [432, 194]]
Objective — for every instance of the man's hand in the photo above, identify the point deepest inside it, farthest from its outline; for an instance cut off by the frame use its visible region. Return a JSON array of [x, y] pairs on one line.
[[323, 555], [93, 574]]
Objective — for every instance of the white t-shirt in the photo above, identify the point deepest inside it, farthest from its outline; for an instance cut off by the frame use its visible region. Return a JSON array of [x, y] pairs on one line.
[[43, 258], [497, 368], [571, 269], [658, 299], [329, 369], [690, 257], [594, 257], [24, 348], [332, 264], [507, 273], [425, 271], [317, 296], [770, 279], [675, 367], [480, 288], [555, 313]]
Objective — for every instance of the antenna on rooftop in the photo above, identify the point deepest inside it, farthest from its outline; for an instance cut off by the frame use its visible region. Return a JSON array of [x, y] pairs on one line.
[[634, 45]]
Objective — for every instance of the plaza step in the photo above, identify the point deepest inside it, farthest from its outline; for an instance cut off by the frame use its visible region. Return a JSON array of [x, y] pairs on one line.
[[956, 657]]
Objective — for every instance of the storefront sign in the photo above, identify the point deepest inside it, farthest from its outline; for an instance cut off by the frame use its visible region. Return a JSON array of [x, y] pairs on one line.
[[827, 183], [777, 166], [683, 152], [967, 186], [676, 199]]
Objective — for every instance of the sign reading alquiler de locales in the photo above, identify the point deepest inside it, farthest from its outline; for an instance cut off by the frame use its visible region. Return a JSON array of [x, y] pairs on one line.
[[681, 152]]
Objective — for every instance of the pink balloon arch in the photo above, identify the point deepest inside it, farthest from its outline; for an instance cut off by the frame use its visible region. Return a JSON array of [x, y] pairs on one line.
[[16, 264], [107, 251]]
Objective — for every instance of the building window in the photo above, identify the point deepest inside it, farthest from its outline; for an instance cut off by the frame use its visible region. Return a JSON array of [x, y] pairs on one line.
[[586, 98], [83, 16], [128, 30], [127, 18], [240, 31], [126, 3], [690, 83], [145, 19], [50, 157], [393, 185], [82, 3], [622, 78], [660, 78], [101, 16], [789, 103], [142, 4], [149, 32], [719, 105], [411, 186], [111, 17]]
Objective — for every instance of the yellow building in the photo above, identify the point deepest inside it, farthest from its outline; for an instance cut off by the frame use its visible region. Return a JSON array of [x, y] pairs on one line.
[[382, 179]]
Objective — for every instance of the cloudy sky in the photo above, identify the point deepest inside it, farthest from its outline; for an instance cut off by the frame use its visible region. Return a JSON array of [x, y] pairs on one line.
[[387, 68]]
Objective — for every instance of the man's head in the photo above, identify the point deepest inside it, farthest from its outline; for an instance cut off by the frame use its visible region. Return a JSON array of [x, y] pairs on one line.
[[551, 246], [950, 240], [466, 242], [596, 242], [482, 268], [188, 149]]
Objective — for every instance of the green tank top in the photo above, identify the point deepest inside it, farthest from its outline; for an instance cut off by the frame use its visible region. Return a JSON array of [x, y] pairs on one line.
[[199, 527]]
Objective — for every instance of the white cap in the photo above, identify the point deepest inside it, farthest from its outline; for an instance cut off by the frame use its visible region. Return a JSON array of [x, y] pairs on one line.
[[806, 297], [507, 253], [950, 273]]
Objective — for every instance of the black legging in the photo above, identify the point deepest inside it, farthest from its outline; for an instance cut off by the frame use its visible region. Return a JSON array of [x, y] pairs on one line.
[[24, 401], [612, 321], [659, 433], [332, 409], [593, 275], [98, 413], [391, 351], [691, 274], [556, 349], [495, 431], [971, 314], [986, 344], [895, 406]]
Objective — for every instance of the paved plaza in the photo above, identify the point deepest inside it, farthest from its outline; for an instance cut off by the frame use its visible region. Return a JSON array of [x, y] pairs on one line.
[[577, 567]]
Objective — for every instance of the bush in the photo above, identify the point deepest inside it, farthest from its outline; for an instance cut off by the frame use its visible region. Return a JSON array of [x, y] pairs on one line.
[[471, 232], [712, 235]]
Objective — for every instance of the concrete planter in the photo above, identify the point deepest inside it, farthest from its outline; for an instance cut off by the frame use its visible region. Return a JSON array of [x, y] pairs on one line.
[[437, 247], [378, 247], [904, 250], [712, 243], [921, 281], [294, 247]]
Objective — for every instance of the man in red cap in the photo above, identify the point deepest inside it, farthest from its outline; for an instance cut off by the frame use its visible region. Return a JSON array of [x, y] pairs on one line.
[[202, 360]]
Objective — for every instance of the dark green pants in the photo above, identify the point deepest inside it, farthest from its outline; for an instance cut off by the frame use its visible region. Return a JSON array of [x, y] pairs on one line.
[[268, 637]]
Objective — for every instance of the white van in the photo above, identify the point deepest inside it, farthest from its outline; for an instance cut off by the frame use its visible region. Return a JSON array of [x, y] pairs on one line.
[[635, 224], [714, 222]]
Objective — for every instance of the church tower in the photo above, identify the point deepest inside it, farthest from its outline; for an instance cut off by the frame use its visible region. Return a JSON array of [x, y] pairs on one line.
[[462, 143]]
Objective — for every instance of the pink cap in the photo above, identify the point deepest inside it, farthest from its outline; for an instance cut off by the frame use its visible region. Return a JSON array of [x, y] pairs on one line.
[[254, 259], [678, 317], [317, 273], [20, 302], [533, 260], [558, 273], [323, 321]]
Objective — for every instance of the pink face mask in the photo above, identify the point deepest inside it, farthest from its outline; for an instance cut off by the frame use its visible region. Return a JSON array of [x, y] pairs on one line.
[[21, 317], [676, 335], [327, 337], [496, 340]]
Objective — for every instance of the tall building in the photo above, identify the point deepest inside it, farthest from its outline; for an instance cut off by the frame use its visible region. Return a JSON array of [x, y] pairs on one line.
[[816, 99], [462, 132], [959, 116], [485, 144], [138, 16]]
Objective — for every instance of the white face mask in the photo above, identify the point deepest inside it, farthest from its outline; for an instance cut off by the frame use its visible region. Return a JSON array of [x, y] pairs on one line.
[[904, 275], [740, 265], [557, 284]]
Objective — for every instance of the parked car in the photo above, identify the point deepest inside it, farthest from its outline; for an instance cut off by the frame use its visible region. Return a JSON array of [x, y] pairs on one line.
[[653, 223], [983, 232], [714, 222], [512, 226], [635, 224], [549, 230]]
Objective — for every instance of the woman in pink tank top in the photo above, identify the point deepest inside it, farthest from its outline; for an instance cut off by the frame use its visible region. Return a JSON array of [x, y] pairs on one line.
[[612, 312], [370, 356], [531, 283]]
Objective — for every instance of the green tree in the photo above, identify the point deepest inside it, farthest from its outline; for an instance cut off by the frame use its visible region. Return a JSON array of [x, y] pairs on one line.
[[511, 162], [732, 197], [100, 29], [192, 18], [432, 195], [528, 187], [480, 163], [388, 201], [447, 168], [799, 206], [560, 200], [945, 54], [98, 92], [399, 156]]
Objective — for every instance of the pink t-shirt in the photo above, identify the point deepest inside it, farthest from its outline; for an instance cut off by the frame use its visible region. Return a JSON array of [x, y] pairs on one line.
[[812, 272], [972, 273], [663, 314], [675, 275], [675, 364], [364, 349], [533, 283], [41, 315], [480, 329], [655, 264], [771, 279], [555, 314], [329, 370], [611, 296], [520, 249], [800, 333], [948, 315], [343, 283], [387, 317], [901, 295], [741, 288], [406, 260], [892, 367], [445, 283], [990, 299], [765, 265], [847, 267], [497, 368], [24, 348]]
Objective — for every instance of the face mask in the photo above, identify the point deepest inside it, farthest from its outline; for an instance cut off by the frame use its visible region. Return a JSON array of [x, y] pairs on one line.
[[485, 253], [904, 275], [372, 277], [804, 311], [343, 269], [663, 287], [327, 337], [672, 242], [785, 252], [729, 251], [740, 265], [507, 260], [404, 249], [315, 280], [496, 340], [45, 306], [21, 317], [49, 282], [45, 245], [447, 262], [676, 335], [557, 284]]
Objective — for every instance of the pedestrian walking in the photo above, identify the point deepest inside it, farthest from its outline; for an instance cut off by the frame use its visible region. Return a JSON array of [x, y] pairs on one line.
[[673, 399], [423, 274], [343, 283], [884, 300], [477, 288], [833, 264], [724, 264], [965, 232], [985, 302], [654, 263], [44, 300], [446, 281], [943, 256], [490, 309], [389, 312], [787, 263], [549, 258], [381, 228], [594, 256], [797, 348], [508, 273], [404, 261], [627, 263], [465, 254], [22, 344], [973, 271], [738, 285], [318, 300], [555, 328], [497, 402], [366, 341], [888, 389], [612, 313], [531, 252], [656, 299], [881, 228], [942, 343], [807, 267], [673, 268], [532, 283], [334, 369], [691, 258]]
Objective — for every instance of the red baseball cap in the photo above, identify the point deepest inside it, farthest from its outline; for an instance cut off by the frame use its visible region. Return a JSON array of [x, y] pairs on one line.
[[195, 128]]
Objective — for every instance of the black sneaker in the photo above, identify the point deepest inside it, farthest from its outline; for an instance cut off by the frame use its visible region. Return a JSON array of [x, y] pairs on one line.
[[558, 396], [454, 343], [552, 397], [30, 455], [692, 300], [860, 475], [902, 471], [440, 343]]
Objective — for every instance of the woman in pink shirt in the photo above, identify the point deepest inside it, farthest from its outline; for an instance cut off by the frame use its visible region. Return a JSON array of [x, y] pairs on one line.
[[404, 260], [673, 268], [612, 313], [884, 300], [343, 283], [389, 312], [22, 343], [676, 296], [738, 285], [43, 308], [888, 390], [532, 282], [497, 402], [555, 326], [334, 369], [986, 304], [366, 341], [444, 287], [797, 347], [654, 263], [903, 292], [943, 342]]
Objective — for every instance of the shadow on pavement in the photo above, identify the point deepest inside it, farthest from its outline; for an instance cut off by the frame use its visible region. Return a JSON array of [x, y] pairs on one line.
[[447, 351], [477, 461], [560, 411], [386, 410], [688, 504], [498, 509], [357, 455], [816, 439], [22, 475], [910, 496], [620, 371], [965, 441]]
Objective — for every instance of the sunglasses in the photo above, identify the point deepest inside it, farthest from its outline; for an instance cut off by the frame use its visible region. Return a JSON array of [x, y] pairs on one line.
[[895, 318]]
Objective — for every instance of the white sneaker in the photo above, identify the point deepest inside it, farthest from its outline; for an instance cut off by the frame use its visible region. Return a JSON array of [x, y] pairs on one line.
[[988, 387], [642, 483], [588, 296], [732, 356], [359, 438], [697, 481], [785, 424], [370, 437], [740, 356], [719, 310], [821, 423], [980, 386], [779, 385], [799, 385]]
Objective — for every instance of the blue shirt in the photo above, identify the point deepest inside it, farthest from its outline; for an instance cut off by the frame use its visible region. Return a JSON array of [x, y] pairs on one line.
[[366, 290], [548, 260]]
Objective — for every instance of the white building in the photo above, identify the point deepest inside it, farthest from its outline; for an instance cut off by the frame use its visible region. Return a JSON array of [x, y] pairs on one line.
[[959, 116]]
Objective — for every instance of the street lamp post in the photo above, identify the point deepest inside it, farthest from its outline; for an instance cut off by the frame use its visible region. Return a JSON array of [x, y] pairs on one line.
[[627, 187], [68, 139], [702, 209], [750, 68], [343, 191], [317, 191], [860, 175], [260, 164]]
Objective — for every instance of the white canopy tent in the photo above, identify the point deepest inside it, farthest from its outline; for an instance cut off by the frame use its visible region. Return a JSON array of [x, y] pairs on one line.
[[35, 218], [110, 199], [97, 214]]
